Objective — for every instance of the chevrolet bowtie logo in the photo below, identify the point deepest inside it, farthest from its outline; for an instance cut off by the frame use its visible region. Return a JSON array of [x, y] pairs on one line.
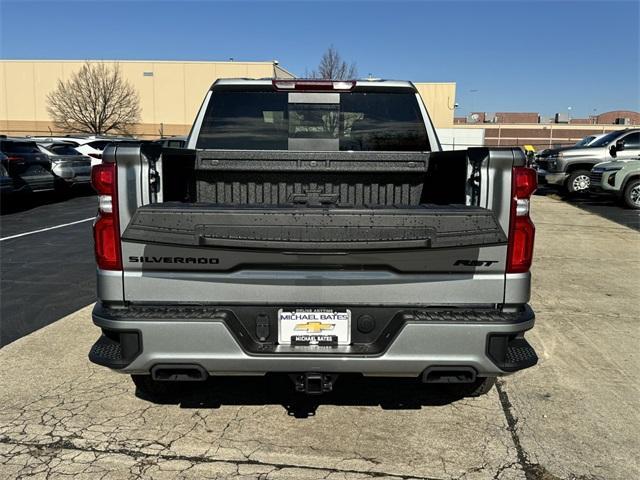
[[313, 327]]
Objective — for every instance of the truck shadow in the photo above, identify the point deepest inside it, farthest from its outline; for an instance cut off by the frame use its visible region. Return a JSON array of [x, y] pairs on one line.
[[602, 205], [349, 390], [22, 202]]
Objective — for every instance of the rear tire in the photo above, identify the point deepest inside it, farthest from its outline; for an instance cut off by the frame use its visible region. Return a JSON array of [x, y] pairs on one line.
[[62, 189], [152, 388], [578, 182], [631, 194], [481, 386]]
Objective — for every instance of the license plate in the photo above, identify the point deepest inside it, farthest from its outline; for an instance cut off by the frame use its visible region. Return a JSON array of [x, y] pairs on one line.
[[314, 326]]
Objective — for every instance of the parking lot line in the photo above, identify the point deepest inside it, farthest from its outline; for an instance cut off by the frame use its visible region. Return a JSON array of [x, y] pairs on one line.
[[46, 229]]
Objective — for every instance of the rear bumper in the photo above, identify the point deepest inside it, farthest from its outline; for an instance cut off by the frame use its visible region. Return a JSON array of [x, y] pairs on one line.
[[39, 183], [73, 175], [134, 340], [6, 188], [541, 176], [555, 178], [601, 190], [77, 180]]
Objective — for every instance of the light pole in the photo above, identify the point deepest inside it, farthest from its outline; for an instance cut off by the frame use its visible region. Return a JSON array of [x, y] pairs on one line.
[[473, 90]]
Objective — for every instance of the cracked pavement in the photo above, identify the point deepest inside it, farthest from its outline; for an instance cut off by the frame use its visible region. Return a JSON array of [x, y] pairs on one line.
[[574, 416]]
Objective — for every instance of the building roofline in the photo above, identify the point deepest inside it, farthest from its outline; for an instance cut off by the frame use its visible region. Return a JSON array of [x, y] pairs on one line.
[[434, 83], [277, 66], [48, 60], [548, 126]]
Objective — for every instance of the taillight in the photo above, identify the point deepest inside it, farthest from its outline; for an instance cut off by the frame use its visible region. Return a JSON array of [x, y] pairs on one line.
[[324, 85], [15, 159], [521, 228], [106, 229]]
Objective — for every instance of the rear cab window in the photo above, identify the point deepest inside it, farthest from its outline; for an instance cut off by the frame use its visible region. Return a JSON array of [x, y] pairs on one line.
[[312, 121]]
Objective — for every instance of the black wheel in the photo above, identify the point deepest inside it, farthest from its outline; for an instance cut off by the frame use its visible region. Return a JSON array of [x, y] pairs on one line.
[[481, 386], [578, 182], [151, 388], [62, 188], [631, 194]]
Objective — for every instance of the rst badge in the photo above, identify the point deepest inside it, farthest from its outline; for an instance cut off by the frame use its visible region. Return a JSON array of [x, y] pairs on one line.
[[475, 263]]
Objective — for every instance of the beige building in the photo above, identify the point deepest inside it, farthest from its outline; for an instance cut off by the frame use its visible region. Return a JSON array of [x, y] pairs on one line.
[[440, 99], [170, 92]]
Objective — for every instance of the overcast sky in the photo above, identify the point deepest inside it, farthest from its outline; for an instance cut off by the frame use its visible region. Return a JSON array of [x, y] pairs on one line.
[[541, 56]]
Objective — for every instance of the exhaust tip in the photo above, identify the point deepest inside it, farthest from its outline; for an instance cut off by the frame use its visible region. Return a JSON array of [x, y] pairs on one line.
[[449, 374], [179, 373]]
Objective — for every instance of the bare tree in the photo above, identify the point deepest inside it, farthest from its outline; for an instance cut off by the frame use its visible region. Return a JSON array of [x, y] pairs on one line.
[[97, 99], [332, 66]]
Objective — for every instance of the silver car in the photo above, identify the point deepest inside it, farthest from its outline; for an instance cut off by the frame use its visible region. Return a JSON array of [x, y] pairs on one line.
[[67, 163]]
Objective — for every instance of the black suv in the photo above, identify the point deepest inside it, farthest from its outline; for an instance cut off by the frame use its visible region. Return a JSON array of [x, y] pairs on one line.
[[26, 165]]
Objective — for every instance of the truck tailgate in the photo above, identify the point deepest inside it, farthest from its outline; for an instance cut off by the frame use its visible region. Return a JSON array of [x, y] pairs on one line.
[[315, 228]]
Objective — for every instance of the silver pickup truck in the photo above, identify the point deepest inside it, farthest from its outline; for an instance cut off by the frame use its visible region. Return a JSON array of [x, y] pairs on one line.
[[569, 168], [313, 228]]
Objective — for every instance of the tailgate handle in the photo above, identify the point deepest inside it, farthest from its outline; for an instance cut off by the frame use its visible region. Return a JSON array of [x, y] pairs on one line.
[[314, 198]]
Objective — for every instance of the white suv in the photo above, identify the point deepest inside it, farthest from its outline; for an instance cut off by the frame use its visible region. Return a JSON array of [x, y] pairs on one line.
[[91, 146]]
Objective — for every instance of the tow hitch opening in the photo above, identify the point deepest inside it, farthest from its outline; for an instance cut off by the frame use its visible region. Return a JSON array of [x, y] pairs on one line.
[[313, 383]]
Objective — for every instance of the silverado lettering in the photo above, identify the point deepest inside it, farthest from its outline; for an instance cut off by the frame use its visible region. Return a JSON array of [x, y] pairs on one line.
[[195, 260]]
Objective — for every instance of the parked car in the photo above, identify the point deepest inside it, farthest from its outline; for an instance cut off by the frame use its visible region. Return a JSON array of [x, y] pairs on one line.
[[570, 169], [618, 178], [94, 149], [586, 141], [67, 163], [91, 146], [29, 168], [173, 142], [313, 228]]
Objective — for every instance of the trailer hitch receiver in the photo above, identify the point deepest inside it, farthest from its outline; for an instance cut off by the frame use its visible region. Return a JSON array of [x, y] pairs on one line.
[[313, 383]]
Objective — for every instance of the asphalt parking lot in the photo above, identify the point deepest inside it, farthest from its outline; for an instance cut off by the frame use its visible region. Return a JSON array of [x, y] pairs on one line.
[[573, 416], [48, 274]]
